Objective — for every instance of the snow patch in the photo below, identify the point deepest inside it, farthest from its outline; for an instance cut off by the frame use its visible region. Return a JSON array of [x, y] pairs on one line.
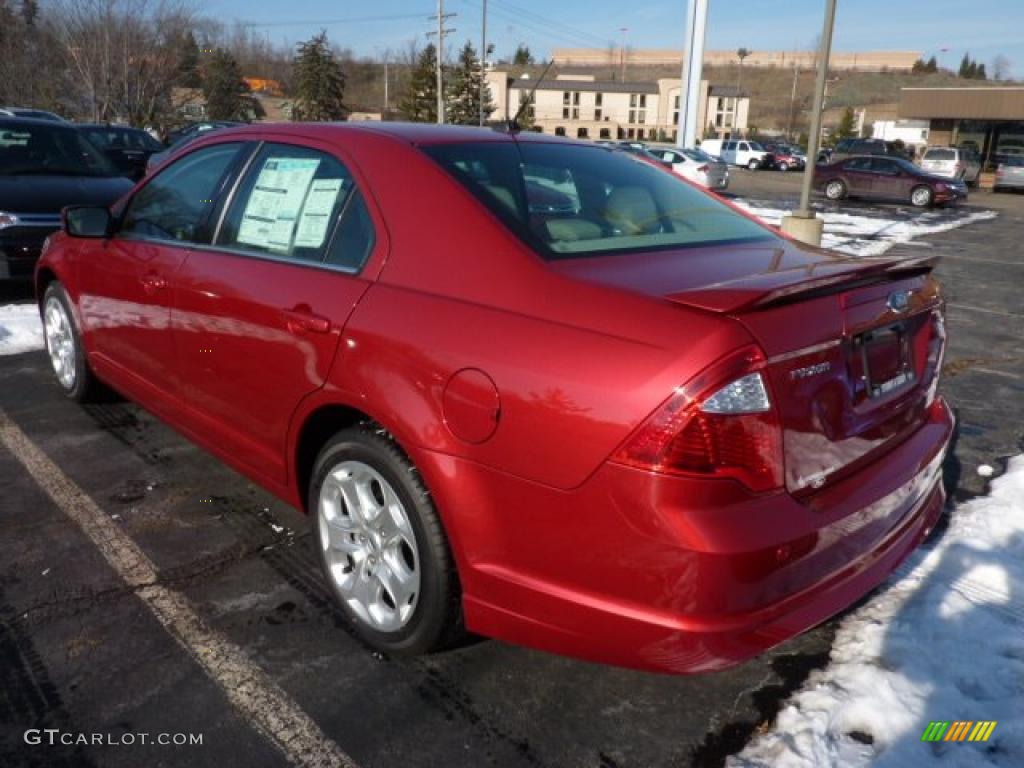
[[20, 329], [860, 235], [943, 640]]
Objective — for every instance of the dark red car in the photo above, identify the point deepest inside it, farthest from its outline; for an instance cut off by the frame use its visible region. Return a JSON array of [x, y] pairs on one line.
[[886, 178], [616, 419]]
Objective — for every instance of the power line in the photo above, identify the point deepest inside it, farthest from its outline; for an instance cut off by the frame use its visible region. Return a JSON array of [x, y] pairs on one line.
[[314, 22]]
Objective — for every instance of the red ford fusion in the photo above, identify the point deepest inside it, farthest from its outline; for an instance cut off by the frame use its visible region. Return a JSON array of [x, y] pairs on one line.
[[530, 388]]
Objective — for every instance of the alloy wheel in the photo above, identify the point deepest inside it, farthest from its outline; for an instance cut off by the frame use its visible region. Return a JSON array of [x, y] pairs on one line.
[[369, 546], [60, 342]]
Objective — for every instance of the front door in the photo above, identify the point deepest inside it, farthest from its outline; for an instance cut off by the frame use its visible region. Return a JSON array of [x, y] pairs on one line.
[[258, 315], [888, 179], [126, 298]]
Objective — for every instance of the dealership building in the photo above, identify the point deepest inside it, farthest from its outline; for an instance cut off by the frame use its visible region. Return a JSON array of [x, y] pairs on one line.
[[990, 120]]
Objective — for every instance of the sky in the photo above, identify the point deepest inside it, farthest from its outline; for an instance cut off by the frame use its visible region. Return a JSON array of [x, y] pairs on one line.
[[944, 28]]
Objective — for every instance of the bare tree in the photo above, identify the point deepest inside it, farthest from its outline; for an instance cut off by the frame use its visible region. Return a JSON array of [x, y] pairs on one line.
[[1002, 67], [122, 54]]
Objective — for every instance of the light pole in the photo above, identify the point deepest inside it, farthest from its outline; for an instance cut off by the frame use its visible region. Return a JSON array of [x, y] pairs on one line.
[[802, 224], [741, 54], [693, 63], [483, 61]]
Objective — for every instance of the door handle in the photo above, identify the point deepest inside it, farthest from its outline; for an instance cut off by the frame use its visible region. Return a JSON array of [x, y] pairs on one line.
[[301, 320], [152, 282]]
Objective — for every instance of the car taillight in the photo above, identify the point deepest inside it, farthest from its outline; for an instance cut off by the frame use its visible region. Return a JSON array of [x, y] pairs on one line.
[[721, 424]]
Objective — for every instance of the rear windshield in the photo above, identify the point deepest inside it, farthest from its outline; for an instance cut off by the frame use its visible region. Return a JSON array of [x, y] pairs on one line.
[[575, 200], [1015, 162], [940, 154], [48, 149]]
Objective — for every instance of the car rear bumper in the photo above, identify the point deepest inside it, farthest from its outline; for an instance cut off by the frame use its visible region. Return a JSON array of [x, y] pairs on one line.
[[676, 575]]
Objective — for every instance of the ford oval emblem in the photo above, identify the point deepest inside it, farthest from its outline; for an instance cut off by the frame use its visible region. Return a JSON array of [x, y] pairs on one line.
[[898, 301]]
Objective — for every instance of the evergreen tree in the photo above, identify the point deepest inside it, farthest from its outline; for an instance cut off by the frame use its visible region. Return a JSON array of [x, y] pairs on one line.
[[981, 74], [919, 66], [932, 65], [187, 74], [464, 88], [522, 57], [965, 64], [319, 82], [847, 125], [419, 104], [226, 93]]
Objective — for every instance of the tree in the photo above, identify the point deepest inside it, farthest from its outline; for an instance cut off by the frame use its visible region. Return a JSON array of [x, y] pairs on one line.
[[187, 70], [319, 82], [1001, 67], [465, 86], [980, 73], [226, 93], [847, 125], [420, 101], [965, 67], [522, 57], [919, 67], [932, 65], [741, 54]]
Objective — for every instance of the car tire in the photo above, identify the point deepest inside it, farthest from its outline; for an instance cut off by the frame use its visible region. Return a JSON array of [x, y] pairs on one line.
[[753, 165], [922, 196], [65, 349], [381, 545], [835, 190]]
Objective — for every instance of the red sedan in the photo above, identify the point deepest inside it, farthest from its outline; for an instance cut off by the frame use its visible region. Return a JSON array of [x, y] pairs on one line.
[[532, 388], [887, 178]]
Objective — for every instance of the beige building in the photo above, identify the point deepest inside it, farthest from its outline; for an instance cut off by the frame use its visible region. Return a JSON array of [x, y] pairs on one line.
[[866, 61], [581, 107]]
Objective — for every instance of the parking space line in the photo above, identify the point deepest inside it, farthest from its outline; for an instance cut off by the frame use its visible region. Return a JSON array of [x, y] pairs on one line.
[[971, 308], [258, 699]]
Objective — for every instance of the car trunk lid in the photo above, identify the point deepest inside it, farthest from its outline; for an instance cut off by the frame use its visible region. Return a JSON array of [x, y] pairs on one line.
[[853, 345]]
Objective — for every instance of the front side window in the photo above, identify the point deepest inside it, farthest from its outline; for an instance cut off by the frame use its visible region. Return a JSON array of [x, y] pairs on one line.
[[176, 203], [580, 201], [288, 205]]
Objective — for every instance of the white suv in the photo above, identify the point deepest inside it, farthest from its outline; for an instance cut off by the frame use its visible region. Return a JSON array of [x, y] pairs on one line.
[[953, 163]]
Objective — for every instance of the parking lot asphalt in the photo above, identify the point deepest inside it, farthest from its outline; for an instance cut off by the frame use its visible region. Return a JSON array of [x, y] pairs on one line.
[[80, 651]]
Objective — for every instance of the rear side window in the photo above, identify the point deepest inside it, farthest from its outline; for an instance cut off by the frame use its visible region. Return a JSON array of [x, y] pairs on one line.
[[176, 203], [289, 204], [571, 201], [858, 164]]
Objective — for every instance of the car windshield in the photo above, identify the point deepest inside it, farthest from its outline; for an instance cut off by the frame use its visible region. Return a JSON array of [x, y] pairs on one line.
[[122, 138], [940, 154], [571, 201], [698, 155], [38, 149]]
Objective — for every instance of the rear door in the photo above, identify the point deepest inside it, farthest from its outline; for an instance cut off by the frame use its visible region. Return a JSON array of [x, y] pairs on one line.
[[128, 282], [857, 174], [259, 313]]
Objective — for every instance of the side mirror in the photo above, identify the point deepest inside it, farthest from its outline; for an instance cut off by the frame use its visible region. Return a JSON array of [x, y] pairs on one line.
[[86, 221]]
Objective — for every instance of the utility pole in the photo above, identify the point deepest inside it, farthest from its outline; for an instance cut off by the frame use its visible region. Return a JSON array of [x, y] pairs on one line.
[[441, 32], [693, 63], [792, 98], [483, 61], [803, 224], [622, 55]]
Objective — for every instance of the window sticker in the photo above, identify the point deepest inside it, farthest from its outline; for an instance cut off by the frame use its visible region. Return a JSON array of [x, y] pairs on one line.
[[316, 213], [275, 201]]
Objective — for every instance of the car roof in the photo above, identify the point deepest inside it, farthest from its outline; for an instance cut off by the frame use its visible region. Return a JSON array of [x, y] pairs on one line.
[[411, 133], [21, 122]]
